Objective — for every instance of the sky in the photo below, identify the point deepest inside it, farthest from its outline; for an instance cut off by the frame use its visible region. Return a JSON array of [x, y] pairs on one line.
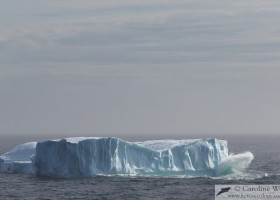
[[139, 67]]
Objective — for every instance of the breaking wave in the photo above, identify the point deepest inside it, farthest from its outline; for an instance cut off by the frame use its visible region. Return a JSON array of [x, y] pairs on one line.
[[234, 163]]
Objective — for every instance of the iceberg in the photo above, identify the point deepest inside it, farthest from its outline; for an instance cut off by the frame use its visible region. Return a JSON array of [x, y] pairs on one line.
[[91, 156], [19, 159]]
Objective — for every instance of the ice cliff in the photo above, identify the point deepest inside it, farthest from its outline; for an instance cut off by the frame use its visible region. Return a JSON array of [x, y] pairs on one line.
[[86, 157]]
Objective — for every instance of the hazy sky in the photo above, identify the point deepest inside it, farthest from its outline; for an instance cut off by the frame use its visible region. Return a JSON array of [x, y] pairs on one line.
[[112, 67]]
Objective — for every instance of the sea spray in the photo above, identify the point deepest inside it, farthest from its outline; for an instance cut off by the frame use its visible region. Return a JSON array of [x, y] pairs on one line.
[[233, 163]]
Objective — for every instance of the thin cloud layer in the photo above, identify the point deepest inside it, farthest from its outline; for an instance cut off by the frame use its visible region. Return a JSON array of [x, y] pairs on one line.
[[139, 66]]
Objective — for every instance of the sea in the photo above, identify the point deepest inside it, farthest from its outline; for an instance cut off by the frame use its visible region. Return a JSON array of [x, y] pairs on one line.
[[263, 170]]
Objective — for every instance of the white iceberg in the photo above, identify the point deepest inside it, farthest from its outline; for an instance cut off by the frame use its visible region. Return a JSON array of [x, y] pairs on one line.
[[91, 156], [19, 159]]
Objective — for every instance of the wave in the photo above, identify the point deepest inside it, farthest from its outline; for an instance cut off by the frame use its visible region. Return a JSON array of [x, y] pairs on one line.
[[234, 163]]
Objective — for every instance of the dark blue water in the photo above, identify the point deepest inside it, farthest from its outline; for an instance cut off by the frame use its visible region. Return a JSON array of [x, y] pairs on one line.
[[263, 170]]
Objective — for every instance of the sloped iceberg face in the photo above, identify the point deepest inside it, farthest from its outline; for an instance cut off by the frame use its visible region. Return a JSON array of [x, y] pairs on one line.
[[19, 159], [86, 157]]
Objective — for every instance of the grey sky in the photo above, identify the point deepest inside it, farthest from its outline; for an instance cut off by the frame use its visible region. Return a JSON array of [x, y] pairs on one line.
[[129, 67]]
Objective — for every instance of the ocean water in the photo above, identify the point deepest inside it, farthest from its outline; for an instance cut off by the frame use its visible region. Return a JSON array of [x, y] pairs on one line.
[[263, 170]]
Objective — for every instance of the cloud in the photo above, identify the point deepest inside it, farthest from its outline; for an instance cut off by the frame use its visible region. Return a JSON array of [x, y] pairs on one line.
[[140, 66], [144, 34]]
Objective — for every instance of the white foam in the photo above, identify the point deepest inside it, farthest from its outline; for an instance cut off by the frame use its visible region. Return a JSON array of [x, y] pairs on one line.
[[239, 162]]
